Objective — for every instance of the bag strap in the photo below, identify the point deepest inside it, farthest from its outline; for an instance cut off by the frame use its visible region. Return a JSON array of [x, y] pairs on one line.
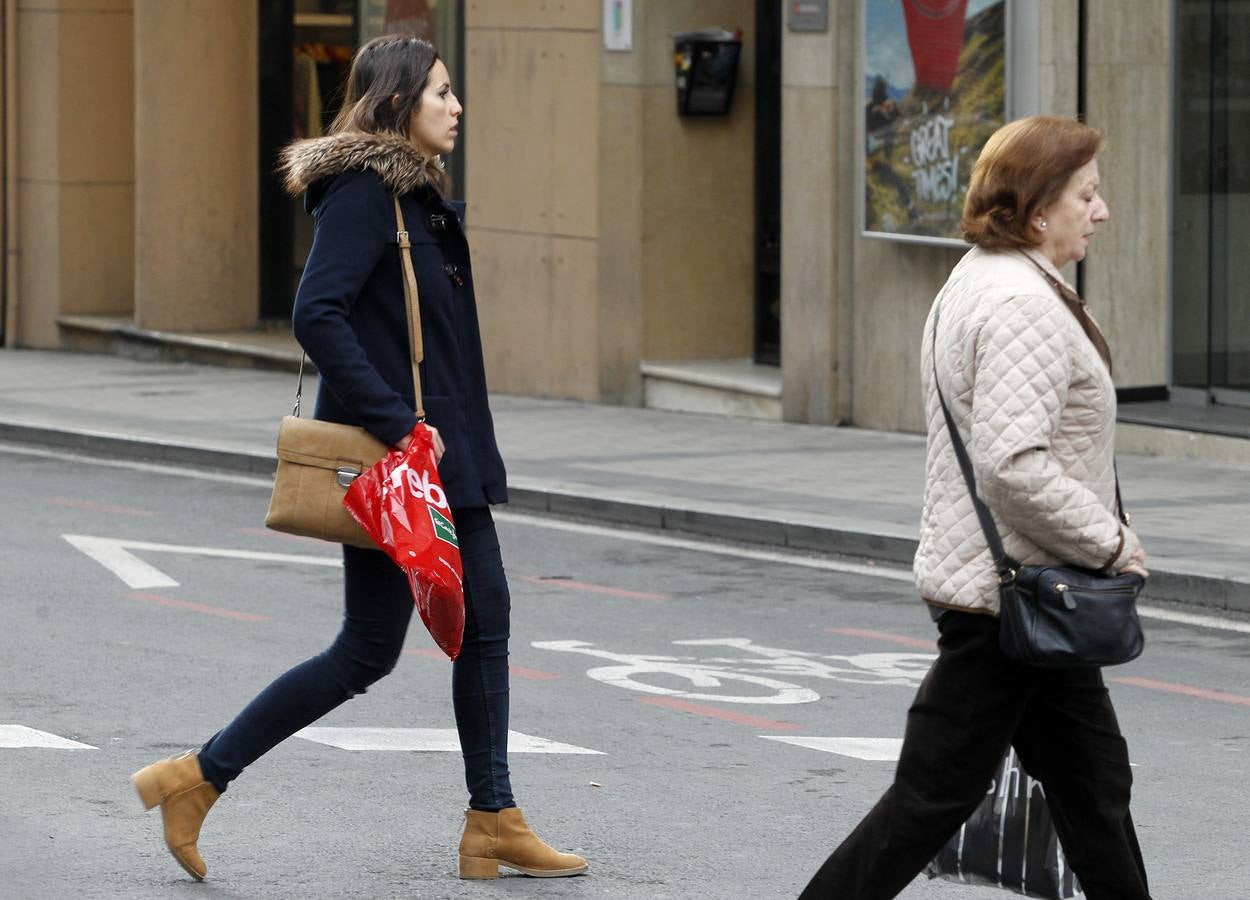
[[412, 310], [1003, 564]]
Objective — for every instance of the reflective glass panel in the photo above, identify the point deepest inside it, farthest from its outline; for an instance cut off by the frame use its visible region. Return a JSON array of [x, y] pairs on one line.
[[1211, 249]]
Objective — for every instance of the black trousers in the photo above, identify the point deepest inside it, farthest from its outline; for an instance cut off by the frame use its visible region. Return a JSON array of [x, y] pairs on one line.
[[972, 704]]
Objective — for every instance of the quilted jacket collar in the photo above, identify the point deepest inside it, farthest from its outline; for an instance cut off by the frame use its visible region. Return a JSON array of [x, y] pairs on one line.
[[1038, 257]]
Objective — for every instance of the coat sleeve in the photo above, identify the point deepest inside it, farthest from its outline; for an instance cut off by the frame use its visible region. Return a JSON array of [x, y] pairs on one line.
[[352, 232], [1023, 371]]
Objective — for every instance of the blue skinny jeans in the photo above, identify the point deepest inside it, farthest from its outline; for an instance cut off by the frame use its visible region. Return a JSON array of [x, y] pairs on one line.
[[378, 608]]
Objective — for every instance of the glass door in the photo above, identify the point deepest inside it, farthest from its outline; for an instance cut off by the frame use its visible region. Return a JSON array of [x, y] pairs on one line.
[[1211, 269]]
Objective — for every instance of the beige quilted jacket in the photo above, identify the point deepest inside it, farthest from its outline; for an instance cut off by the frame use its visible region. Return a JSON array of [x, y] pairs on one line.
[[1035, 407]]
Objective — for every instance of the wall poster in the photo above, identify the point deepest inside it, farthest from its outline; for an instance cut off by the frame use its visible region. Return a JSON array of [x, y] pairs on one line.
[[618, 25], [935, 89]]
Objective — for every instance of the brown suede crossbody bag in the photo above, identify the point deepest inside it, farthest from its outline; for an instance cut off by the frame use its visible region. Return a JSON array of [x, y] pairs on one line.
[[318, 461]]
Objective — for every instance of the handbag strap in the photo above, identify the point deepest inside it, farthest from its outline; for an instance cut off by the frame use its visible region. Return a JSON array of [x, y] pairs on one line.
[[1003, 564], [412, 310]]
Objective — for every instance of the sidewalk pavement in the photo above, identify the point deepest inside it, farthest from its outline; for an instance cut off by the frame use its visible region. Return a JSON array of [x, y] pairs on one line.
[[843, 491]]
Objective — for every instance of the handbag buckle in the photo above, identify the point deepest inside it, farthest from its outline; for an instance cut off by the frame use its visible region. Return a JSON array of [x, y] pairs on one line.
[[345, 475], [1007, 577]]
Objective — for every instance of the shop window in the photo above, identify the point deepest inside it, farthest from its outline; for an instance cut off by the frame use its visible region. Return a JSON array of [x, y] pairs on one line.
[[306, 47]]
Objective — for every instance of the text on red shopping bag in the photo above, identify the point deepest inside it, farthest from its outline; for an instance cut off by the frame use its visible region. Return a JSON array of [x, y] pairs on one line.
[[400, 502]]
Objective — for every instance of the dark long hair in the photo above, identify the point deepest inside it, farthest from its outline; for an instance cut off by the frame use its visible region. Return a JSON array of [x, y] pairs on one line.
[[381, 69]]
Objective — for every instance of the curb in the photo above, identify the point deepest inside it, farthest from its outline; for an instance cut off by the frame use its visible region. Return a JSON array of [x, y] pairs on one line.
[[772, 533], [135, 449], [1191, 589]]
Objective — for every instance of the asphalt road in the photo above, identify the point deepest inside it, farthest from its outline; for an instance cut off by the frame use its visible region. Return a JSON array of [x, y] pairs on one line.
[[696, 789]]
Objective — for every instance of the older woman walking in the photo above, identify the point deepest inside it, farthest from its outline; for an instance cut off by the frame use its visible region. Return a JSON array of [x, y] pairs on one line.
[[1026, 375]]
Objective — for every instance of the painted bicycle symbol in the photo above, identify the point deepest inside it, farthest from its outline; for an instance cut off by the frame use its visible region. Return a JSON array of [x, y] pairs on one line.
[[764, 669]]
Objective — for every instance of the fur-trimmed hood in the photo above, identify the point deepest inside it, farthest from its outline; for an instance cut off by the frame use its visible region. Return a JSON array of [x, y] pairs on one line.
[[401, 166]]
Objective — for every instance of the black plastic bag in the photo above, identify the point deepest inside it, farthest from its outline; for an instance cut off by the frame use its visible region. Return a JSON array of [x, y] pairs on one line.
[[1009, 842]]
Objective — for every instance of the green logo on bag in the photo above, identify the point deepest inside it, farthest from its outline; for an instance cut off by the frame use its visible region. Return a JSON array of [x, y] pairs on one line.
[[443, 529]]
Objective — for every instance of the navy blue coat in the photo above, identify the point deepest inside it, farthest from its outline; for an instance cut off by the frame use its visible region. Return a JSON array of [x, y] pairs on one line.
[[350, 318]]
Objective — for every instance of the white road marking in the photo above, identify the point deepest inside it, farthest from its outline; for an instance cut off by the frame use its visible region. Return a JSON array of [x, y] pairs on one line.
[[646, 537], [121, 562], [793, 559], [435, 740], [709, 676], [13, 737], [873, 749], [1169, 615], [747, 663], [816, 562], [135, 466], [114, 554]]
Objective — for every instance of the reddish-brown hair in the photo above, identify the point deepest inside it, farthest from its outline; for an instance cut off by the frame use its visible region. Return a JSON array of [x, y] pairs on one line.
[[1023, 168]]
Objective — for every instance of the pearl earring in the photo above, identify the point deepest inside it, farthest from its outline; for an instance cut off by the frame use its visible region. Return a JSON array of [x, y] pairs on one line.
[[1043, 223]]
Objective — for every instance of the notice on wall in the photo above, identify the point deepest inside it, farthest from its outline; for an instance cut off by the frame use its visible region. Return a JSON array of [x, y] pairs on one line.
[[935, 89], [618, 25], [807, 15]]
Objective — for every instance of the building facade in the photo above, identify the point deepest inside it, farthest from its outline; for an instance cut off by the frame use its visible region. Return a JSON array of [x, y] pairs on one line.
[[625, 253]]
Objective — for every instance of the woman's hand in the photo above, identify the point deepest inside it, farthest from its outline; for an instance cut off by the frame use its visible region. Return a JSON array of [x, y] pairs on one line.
[[1136, 561], [436, 439], [1136, 564], [439, 447]]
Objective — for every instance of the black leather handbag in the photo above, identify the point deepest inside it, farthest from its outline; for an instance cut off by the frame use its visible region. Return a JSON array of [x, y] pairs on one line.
[[1053, 615]]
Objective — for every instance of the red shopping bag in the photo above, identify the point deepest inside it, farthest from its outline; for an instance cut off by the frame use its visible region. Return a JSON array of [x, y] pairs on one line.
[[400, 503]]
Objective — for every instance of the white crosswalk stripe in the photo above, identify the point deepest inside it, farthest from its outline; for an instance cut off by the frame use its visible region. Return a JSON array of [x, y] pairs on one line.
[[429, 740], [13, 737], [872, 749]]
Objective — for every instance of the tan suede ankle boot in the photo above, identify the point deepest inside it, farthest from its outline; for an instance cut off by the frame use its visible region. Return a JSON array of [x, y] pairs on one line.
[[494, 839], [185, 798]]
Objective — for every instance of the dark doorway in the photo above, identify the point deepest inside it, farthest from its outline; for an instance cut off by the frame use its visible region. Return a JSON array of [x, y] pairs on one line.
[[277, 128], [768, 182]]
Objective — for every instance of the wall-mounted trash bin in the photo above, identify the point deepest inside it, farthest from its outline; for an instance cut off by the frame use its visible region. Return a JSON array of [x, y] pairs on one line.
[[707, 69]]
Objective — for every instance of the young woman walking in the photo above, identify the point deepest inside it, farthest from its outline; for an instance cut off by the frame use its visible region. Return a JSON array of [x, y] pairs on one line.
[[400, 114]]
